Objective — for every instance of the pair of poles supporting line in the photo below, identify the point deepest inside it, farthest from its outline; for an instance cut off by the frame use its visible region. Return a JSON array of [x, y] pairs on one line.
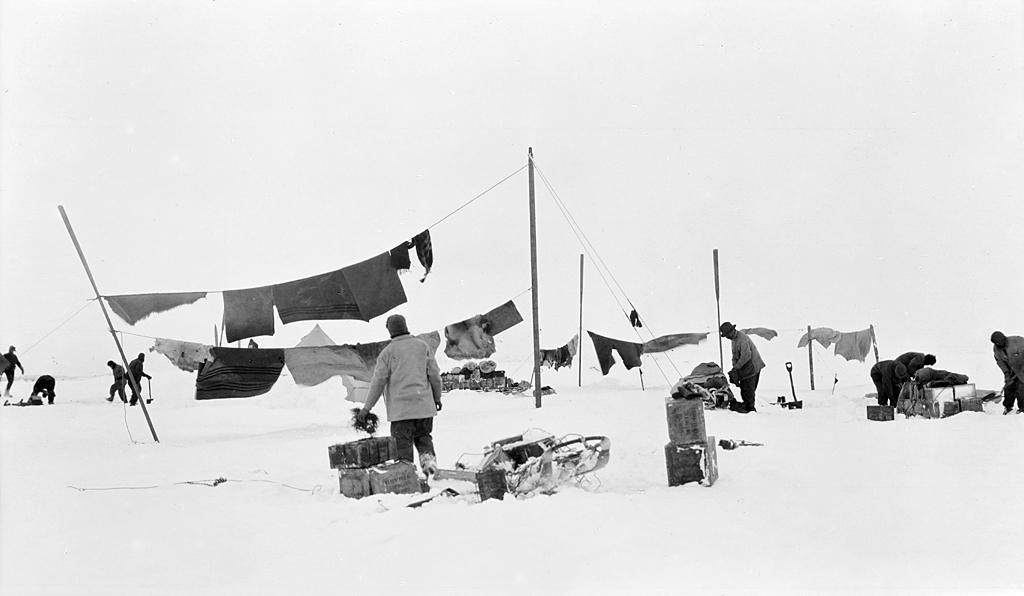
[[136, 388]]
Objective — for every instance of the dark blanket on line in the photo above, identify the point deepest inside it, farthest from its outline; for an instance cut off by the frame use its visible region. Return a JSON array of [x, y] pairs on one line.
[[248, 313], [132, 308], [239, 372], [361, 291], [628, 351]]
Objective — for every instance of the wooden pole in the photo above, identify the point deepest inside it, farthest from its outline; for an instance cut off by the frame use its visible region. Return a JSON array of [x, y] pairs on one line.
[[874, 342], [131, 377], [641, 379], [810, 355], [718, 308], [533, 286], [579, 352]]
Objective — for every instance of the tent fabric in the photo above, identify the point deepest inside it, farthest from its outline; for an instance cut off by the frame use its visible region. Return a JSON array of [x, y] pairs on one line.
[[133, 308], [248, 313], [315, 337]]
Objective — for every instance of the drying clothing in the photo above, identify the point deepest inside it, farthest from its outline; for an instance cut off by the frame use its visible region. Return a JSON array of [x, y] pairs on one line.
[[668, 342], [746, 360], [934, 377], [424, 251], [361, 291], [467, 339], [501, 318], [913, 361], [186, 355], [888, 376], [314, 365], [634, 319], [239, 372], [132, 308], [855, 345], [407, 376], [628, 351], [764, 332], [400, 256], [823, 335], [248, 313], [562, 356]]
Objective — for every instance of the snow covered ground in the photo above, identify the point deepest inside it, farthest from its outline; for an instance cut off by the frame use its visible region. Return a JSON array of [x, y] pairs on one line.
[[831, 503]]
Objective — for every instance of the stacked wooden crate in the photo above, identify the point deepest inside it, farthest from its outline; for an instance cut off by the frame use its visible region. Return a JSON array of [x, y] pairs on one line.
[[365, 467], [690, 455], [881, 413]]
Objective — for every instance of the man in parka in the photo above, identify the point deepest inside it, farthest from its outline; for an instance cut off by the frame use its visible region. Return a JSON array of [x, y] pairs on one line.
[[12, 361], [746, 365], [915, 361], [407, 376], [1013, 380], [119, 380], [888, 376], [135, 368]]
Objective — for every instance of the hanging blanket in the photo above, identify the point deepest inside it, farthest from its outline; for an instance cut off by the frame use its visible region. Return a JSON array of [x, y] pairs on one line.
[[361, 291], [668, 342], [248, 313], [628, 351], [135, 307], [313, 365], [237, 372], [473, 338], [823, 335], [186, 355]]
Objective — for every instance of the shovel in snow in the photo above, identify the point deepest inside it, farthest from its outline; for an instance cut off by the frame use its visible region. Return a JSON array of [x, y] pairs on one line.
[[795, 404]]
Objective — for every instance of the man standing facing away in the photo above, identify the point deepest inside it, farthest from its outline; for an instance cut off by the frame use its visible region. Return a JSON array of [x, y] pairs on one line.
[[135, 368], [12, 361], [119, 379], [1013, 384], [746, 365], [408, 377]]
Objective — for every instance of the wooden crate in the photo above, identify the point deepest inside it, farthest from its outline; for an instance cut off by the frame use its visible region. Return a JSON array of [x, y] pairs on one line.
[[971, 404], [881, 413], [397, 477], [950, 408], [362, 453], [685, 421], [355, 482], [692, 462]]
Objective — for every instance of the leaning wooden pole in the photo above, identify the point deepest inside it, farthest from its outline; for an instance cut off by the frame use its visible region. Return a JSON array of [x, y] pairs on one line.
[[874, 342], [131, 377], [718, 308], [579, 352], [810, 356], [533, 286]]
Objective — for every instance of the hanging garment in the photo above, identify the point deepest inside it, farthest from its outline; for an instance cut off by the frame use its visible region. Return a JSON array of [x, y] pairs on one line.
[[634, 319], [502, 318], [823, 335], [311, 366], [559, 357], [468, 339], [239, 372], [400, 256], [628, 351], [424, 251], [132, 308], [248, 313], [855, 345], [668, 342], [361, 291], [764, 332], [186, 355]]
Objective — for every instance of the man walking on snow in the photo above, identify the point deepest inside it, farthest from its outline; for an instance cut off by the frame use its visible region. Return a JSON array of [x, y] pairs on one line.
[[746, 365], [135, 368], [119, 379], [410, 381], [12, 361]]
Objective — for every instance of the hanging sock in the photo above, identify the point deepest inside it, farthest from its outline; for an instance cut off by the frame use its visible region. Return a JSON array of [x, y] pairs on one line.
[[634, 319], [424, 251], [132, 308], [248, 313], [665, 343], [239, 372]]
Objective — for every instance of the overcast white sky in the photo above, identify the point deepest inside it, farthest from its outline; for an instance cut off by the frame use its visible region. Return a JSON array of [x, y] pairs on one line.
[[855, 163]]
